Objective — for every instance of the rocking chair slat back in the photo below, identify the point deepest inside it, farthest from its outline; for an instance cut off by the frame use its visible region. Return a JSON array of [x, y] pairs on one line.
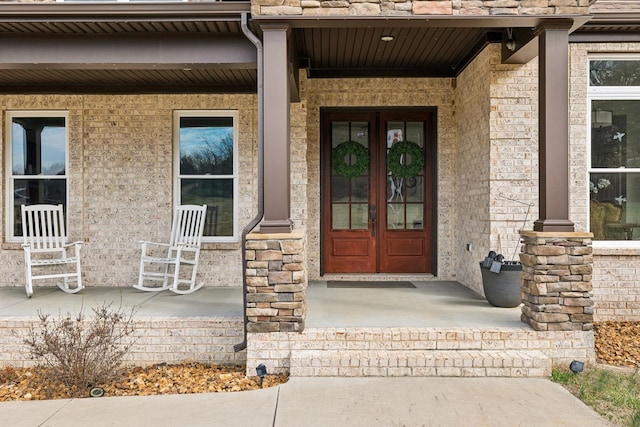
[[43, 227], [182, 251], [188, 225], [45, 248]]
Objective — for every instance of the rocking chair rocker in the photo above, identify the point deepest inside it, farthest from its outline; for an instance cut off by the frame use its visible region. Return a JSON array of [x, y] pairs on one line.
[[182, 250], [45, 245]]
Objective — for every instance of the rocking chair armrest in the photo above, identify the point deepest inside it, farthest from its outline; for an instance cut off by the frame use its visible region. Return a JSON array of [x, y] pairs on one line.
[[146, 242], [77, 243]]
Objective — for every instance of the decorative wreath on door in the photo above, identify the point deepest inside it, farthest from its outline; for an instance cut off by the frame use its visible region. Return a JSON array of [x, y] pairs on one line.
[[395, 156], [342, 166]]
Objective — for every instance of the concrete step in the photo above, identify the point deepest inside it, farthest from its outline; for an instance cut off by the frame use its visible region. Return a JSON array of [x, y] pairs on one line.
[[420, 363]]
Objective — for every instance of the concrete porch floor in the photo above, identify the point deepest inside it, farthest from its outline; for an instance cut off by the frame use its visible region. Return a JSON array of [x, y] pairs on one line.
[[437, 304], [206, 302], [430, 304]]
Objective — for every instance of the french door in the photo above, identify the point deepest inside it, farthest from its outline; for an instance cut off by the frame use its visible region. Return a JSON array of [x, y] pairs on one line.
[[377, 191]]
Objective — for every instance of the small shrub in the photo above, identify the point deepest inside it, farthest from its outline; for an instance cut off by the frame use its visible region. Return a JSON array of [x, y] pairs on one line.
[[82, 352]]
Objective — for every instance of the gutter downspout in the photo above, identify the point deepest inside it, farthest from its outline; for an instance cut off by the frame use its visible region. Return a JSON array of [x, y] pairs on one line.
[[256, 220]]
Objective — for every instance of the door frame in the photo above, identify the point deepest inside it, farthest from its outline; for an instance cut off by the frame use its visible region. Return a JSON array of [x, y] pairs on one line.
[[432, 133]]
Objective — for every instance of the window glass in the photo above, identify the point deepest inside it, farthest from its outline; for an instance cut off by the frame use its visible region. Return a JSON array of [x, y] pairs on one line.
[[207, 169], [38, 158], [614, 73], [614, 169]]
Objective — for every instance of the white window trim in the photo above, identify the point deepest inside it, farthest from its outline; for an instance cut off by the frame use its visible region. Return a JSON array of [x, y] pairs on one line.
[[9, 219], [595, 93], [176, 165]]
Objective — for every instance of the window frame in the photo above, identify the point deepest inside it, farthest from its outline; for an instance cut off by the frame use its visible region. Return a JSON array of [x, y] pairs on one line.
[[11, 178], [234, 115], [607, 93]]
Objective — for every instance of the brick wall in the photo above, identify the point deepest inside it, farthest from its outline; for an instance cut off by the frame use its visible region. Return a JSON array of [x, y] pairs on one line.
[[274, 350], [616, 271], [159, 340], [496, 159], [121, 181], [381, 93]]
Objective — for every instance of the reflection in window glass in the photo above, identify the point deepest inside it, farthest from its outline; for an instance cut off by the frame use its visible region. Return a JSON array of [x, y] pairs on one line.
[[395, 216], [614, 73], [614, 169], [349, 195], [340, 216], [415, 215], [405, 195], [359, 216], [206, 142], [38, 153]]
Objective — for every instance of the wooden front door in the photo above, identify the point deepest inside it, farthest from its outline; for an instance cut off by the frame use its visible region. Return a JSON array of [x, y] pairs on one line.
[[377, 191]]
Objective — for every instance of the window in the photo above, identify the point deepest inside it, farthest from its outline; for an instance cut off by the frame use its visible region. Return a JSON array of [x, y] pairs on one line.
[[36, 163], [614, 152], [206, 165]]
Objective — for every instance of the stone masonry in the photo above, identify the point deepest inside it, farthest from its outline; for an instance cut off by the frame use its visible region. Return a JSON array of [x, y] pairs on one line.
[[557, 290], [418, 8], [276, 282]]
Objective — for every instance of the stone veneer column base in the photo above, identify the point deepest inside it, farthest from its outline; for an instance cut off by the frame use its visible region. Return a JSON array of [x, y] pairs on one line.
[[556, 280], [276, 282]]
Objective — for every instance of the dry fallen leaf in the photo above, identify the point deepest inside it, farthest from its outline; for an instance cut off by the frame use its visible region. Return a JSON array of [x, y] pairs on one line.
[[616, 343]]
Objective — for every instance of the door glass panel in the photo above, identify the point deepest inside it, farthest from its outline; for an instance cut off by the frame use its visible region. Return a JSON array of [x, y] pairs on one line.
[[339, 189], [340, 216], [405, 175], [360, 189], [415, 189], [415, 215], [395, 216], [349, 175], [359, 216]]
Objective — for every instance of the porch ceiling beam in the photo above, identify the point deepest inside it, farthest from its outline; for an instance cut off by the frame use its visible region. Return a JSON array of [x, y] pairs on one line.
[[154, 52], [526, 47], [126, 89], [122, 12], [378, 72]]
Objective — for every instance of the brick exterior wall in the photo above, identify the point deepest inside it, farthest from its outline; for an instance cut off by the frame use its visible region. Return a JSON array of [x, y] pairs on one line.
[[158, 340], [496, 159], [378, 92], [375, 347], [121, 181], [616, 272]]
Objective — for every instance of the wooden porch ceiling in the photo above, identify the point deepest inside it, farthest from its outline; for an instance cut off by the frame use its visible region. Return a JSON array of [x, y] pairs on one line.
[[142, 48]]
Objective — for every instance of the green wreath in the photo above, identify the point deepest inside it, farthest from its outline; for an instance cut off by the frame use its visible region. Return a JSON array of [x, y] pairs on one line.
[[342, 166], [394, 159]]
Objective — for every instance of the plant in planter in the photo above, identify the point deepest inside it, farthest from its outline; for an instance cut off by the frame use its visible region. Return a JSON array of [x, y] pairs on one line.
[[501, 281]]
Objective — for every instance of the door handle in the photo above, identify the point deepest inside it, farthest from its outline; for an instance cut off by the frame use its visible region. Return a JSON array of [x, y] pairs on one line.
[[372, 216]]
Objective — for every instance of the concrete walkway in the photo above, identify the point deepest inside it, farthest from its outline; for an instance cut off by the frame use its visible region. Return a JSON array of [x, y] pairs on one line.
[[340, 402]]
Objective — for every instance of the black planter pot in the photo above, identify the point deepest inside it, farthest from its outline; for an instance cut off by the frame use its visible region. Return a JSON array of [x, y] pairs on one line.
[[503, 289]]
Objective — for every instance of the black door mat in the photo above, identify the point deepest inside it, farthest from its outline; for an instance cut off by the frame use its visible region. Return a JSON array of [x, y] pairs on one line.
[[359, 284]]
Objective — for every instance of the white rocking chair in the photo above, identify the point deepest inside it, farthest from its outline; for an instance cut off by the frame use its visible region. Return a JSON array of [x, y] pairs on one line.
[[45, 245], [183, 249]]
